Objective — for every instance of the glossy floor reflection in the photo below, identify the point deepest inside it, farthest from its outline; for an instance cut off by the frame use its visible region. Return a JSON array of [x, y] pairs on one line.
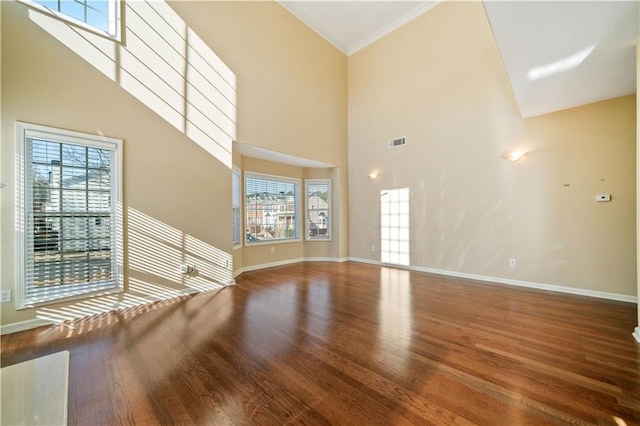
[[350, 343]]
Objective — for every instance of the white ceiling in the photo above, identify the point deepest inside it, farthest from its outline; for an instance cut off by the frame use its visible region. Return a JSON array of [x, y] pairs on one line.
[[561, 55], [557, 54], [352, 25]]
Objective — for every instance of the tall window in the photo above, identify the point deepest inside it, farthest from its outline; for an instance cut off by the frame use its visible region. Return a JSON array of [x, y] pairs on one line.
[[236, 218], [101, 15], [271, 208], [68, 214], [318, 206], [394, 226]]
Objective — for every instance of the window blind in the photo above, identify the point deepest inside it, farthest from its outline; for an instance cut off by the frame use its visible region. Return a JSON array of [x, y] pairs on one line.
[[70, 229]]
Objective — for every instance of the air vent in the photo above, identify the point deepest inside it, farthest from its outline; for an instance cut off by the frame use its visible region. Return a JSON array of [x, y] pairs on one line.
[[393, 143]]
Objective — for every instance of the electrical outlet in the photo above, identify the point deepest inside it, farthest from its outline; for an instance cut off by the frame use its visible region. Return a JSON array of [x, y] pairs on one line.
[[5, 296], [273, 249], [373, 249], [187, 269], [513, 263]]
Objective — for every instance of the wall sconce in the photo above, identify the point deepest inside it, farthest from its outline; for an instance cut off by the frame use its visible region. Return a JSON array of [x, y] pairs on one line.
[[513, 155], [373, 175]]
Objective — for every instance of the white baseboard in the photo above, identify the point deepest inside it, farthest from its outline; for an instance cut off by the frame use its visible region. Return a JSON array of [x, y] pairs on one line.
[[289, 262], [636, 334], [272, 264], [508, 281], [24, 325], [326, 259]]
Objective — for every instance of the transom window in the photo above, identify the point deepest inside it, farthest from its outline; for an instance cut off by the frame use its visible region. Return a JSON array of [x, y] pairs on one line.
[[271, 208], [68, 214], [318, 206], [101, 15]]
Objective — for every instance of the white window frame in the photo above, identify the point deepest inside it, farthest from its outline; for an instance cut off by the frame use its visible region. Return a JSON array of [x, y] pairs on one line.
[[24, 132], [309, 210], [115, 21], [236, 208], [297, 194], [395, 226]]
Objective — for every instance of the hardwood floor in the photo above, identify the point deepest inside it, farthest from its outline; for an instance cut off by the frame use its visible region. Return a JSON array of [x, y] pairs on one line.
[[326, 343]]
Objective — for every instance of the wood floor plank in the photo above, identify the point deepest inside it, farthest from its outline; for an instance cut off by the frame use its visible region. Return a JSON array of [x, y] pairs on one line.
[[350, 343]]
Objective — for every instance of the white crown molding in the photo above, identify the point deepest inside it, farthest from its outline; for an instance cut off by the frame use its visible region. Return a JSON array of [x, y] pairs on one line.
[[315, 26], [373, 37]]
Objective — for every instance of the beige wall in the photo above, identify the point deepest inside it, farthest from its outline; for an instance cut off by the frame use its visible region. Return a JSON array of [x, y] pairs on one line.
[[292, 97], [287, 83], [439, 81]]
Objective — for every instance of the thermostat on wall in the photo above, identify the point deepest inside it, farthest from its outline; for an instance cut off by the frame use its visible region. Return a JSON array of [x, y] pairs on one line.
[[603, 197]]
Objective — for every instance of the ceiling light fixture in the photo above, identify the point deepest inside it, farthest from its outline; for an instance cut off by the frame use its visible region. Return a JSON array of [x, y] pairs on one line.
[[513, 155]]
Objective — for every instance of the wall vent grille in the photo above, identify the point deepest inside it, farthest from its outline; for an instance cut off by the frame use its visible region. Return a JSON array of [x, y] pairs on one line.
[[394, 143]]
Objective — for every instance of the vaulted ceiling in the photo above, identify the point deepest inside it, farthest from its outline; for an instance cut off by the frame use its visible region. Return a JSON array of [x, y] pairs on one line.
[[557, 54]]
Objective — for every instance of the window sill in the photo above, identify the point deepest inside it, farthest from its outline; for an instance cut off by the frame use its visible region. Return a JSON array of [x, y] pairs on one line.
[[270, 242], [87, 295]]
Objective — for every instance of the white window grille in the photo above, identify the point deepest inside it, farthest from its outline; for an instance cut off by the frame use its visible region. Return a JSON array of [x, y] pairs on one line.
[[318, 206], [394, 226], [97, 15], [271, 208], [68, 214], [236, 217]]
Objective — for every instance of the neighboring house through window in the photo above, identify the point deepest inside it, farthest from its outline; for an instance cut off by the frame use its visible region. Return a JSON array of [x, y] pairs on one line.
[[271, 208], [67, 214], [318, 206]]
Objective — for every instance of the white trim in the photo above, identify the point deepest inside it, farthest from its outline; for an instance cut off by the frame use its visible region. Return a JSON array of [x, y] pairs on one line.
[[258, 243], [371, 38], [636, 334], [371, 262], [272, 264], [321, 259], [508, 281], [315, 26], [115, 21], [235, 171], [329, 224], [25, 131], [289, 262], [14, 327], [387, 29]]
